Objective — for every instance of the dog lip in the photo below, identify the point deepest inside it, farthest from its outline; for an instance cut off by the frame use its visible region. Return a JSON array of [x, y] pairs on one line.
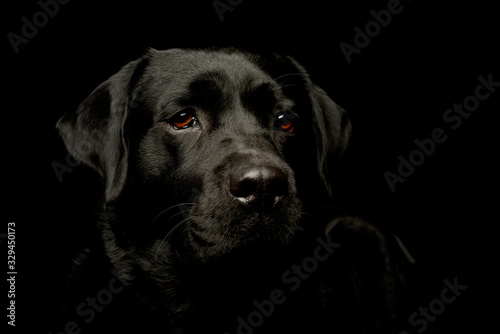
[[265, 205], [246, 200]]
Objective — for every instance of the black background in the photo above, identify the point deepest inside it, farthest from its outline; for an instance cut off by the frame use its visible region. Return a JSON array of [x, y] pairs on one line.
[[395, 90]]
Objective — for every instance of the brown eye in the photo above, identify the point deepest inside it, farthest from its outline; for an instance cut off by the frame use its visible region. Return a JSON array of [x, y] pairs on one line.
[[285, 122], [183, 119]]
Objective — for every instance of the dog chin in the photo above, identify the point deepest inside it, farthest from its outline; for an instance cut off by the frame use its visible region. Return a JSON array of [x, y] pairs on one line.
[[254, 238]]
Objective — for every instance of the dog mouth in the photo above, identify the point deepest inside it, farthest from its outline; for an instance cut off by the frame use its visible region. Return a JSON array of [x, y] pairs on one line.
[[206, 232], [255, 207]]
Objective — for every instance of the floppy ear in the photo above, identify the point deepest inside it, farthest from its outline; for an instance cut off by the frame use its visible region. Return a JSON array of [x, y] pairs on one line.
[[332, 130], [94, 133]]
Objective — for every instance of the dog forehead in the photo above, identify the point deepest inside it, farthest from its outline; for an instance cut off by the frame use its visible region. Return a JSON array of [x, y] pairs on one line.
[[184, 66], [213, 79]]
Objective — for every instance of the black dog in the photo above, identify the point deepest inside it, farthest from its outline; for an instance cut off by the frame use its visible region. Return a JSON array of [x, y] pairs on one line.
[[215, 172]]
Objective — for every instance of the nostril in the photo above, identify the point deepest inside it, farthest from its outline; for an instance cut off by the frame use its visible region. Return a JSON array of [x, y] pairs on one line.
[[243, 186], [258, 185], [244, 182]]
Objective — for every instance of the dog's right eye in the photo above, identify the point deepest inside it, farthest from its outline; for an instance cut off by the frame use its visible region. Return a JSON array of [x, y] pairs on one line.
[[183, 119]]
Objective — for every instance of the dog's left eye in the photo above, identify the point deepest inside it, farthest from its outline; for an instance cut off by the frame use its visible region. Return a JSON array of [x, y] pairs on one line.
[[285, 122], [183, 119]]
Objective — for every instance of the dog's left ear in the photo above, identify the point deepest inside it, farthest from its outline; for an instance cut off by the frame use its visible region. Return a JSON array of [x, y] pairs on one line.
[[94, 133], [332, 130]]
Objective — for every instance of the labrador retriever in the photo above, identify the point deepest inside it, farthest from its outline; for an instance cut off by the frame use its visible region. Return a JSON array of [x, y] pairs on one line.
[[216, 212]]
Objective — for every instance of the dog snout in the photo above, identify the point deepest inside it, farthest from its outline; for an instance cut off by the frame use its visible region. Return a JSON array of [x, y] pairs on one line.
[[258, 187]]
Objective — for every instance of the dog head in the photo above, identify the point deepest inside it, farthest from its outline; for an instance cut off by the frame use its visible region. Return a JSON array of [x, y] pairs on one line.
[[223, 147]]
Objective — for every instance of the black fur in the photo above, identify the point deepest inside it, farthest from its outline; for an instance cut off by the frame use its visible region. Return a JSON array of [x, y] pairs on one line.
[[191, 257]]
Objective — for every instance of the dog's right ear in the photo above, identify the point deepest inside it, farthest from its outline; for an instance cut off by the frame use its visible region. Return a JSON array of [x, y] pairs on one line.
[[95, 133], [332, 130]]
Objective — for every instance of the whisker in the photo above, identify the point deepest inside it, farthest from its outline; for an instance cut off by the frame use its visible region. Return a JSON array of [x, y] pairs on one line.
[[183, 212], [186, 226], [303, 213], [166, 238], [188, 220], [224, 234], [165, 211], [288, 74], [290, 85]]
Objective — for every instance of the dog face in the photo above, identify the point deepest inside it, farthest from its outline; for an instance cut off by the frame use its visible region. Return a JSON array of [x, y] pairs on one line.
[[221, 148]]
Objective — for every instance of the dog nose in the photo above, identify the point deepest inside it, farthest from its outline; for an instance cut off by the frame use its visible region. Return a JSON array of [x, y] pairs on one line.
[[258, 187]]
